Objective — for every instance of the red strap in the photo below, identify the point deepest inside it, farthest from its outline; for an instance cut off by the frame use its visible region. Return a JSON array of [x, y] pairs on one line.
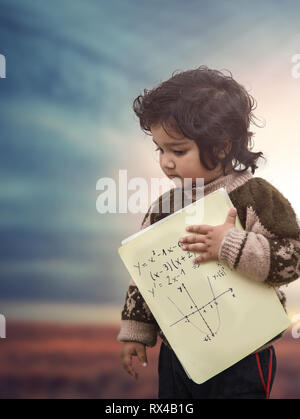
[[266, 387]]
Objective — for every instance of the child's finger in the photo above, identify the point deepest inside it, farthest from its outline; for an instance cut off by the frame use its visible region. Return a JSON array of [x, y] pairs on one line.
[[198, 247], [201, 229], [142, 356], [203, 258], [193, 238], [127, 364]]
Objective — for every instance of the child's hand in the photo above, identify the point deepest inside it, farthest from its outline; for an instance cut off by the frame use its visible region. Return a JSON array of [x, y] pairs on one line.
[[208, 239], [130, 349]]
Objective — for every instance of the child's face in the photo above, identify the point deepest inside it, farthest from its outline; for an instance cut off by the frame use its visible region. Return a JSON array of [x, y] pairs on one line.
[[180, 157]]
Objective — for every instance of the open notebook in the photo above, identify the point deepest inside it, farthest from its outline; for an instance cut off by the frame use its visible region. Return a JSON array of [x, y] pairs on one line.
[[211, 315]]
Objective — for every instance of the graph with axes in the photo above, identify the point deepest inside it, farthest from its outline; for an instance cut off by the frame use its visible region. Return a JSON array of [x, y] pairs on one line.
[[206, 319]]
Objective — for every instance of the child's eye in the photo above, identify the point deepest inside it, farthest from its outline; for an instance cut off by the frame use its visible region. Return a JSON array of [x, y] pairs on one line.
[[179, 153]]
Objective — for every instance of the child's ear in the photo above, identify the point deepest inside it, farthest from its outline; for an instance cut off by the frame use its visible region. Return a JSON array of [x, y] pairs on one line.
[[223, 153]]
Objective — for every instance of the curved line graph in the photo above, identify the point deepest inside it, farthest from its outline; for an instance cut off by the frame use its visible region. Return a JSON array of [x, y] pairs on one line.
[[210, 331]]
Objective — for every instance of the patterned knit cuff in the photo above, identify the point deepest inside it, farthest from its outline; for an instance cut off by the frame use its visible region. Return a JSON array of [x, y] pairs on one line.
[[133, 331], [231, 247]]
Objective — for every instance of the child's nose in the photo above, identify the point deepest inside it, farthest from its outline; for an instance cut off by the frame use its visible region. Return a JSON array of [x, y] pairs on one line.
[[169, 164]]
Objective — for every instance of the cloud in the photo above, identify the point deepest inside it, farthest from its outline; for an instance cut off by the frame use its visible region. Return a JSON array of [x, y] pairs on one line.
[[73, 70]]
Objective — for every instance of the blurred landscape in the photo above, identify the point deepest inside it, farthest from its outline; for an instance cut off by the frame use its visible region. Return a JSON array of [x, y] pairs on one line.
[[51, 360], [67, 121]]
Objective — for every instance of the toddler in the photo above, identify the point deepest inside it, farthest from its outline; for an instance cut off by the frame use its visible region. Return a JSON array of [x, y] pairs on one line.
[[199, 121]]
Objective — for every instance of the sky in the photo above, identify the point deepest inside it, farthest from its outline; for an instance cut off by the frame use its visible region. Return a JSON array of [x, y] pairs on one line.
[[73, 69]]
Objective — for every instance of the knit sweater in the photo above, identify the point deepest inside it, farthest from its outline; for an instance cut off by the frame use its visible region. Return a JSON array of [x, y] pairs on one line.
[[267, 250]]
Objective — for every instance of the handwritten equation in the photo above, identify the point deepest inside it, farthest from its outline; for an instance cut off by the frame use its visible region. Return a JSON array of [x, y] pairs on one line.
[[164, 268], [172, 267]]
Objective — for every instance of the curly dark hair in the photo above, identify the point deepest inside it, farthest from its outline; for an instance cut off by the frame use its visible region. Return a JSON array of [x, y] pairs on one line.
[[208, 107]]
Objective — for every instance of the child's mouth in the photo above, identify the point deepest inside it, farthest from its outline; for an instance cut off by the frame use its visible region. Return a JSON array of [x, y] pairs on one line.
[[176, 180]]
